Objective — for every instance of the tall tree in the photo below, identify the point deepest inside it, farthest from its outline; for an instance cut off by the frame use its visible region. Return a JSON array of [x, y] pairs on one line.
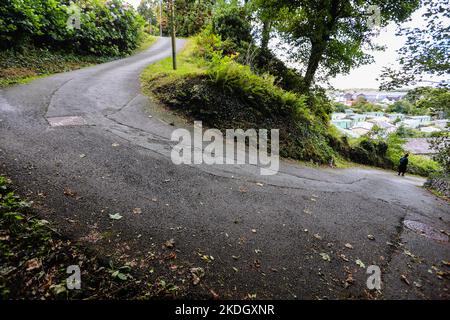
[[427, 48], [330, 35], [192, 15], [147, 9], [266, 14]]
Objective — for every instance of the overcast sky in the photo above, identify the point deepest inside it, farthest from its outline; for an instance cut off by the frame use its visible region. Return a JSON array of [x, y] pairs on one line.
[[365, 76]]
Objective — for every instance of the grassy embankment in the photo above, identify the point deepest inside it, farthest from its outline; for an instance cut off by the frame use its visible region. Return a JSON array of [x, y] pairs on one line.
[[215, 89], [30, 63], [224, 94]]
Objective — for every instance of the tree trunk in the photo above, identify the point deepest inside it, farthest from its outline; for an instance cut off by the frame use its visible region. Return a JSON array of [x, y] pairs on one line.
[[265, 37], [319, 45], [313, 63]]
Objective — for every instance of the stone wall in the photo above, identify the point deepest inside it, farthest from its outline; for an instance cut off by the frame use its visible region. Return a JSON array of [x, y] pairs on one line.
[[440, 184]]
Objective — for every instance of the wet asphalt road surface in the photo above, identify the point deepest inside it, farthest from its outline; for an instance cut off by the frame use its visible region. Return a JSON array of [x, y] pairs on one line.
[[282, 236]]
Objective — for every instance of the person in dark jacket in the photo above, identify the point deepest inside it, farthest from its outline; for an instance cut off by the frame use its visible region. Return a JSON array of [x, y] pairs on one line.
[[403, 165]]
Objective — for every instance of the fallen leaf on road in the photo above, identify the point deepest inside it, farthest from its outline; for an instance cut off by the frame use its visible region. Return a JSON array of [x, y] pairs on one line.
[[235, 257], [404, 279], [325, 256], [169, 244], [348, 245], [260, 184], [115, 216], [442, 274], [82, 155], [408, 253], [235, 269], [137, 210], [254, 230], [206, 257], [360, 263], [70, 193], [171, 256], [349, 280], [317, 236], [243, 189], [343, 257], [197, 274], [215, 296]]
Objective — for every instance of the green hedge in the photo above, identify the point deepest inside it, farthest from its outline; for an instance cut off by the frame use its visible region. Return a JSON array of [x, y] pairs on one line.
[[108, 28]]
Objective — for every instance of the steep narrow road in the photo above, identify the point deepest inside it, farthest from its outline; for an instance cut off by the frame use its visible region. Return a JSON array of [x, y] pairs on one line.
[[82, 146]]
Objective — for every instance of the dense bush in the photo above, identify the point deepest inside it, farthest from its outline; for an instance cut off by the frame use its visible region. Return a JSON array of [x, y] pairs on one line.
[[380, 153], [417, 164], [192, 16], [231, 22], [287, 78], [106, 28], [370, 152]]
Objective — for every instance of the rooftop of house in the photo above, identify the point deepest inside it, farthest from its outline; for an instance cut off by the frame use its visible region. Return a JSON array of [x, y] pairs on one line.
[[364, 125], [419, 146]]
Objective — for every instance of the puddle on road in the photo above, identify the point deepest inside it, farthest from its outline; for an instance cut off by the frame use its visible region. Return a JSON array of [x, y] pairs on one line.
[[426, 230]]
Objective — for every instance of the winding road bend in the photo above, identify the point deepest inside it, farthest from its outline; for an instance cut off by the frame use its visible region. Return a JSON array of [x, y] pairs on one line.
[[282, 236]]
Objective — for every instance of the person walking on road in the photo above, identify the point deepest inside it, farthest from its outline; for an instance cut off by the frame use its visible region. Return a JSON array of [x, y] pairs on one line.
[[403, 165]]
